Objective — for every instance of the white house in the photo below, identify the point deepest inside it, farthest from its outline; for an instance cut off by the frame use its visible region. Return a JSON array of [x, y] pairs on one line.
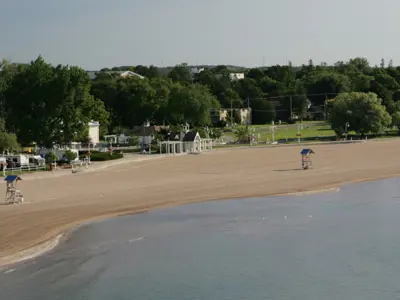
[[94, 132], [236, 76], [93, 74], [196, 70], [192, 142], [223, 113], [117, 139], [131, 74]]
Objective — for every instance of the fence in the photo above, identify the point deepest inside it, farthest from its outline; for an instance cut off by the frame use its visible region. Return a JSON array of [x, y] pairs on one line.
[[22, 169]]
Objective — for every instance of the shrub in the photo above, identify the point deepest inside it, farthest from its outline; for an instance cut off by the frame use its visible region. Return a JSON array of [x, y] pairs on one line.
[[51, 157], [104, 156], [69, 155]]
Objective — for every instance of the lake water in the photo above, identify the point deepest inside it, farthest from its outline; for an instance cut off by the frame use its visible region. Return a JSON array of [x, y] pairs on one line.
[[343, 245]]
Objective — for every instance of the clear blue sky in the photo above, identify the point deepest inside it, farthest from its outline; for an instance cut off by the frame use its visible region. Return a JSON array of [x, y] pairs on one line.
[[105, 33]]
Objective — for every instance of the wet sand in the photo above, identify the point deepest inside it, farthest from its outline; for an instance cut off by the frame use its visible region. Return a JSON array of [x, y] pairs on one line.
[[55, 205]]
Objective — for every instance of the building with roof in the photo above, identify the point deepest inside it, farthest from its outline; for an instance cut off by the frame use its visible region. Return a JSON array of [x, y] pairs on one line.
[[145, 133], [123, 74], [94, 132], [186, 142], [218, 115]]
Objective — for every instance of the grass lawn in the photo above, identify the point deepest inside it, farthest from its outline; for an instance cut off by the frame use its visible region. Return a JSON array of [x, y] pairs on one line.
[[310, 131], [289, 131], [283, 132], [18, 172]]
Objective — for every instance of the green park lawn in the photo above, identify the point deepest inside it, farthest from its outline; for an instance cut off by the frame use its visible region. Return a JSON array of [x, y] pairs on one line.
[[289, 131], [314, 130], [282, 132]]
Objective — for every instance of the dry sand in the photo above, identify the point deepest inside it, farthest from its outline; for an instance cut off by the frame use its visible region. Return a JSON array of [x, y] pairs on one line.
[[55, 205]]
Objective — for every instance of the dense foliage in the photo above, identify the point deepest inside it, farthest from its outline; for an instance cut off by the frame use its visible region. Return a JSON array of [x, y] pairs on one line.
[[104, 156], [53, 104]]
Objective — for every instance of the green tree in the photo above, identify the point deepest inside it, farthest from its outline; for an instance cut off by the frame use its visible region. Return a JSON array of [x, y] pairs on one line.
[[181, 73], [104, 88], [191, 104], [47, 104], [235, 117], [50, 157], [248, 88], [396, 119], [98, 112], [362, 83], [396, 115], [8, 141], [133, 140], [271, 87], [256, 74], [162, 87], [320, 84], [229, 98], [148, 72], [296, 102], [135, 102], [7, 71], [242, 133], [69, 155], [263, 111], [363, 111], [216, 133]]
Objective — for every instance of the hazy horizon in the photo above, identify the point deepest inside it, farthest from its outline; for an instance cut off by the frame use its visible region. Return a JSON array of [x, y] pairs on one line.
[[96, 34]]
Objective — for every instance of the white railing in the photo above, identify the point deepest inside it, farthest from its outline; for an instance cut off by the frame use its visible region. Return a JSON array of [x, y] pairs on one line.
[[17, 170]]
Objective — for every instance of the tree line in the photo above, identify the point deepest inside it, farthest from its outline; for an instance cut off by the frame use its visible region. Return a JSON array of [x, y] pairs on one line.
[[51, 105]]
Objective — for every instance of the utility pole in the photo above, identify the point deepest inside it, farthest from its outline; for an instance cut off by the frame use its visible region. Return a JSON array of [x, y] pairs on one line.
[[249, 121], [273, 132], [298, 133], [325, 107], [347, 125], [231, 113], [143, 136], [291, 107]]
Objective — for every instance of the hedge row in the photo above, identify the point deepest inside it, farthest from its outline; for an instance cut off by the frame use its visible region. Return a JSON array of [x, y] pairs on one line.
[[104, 156]]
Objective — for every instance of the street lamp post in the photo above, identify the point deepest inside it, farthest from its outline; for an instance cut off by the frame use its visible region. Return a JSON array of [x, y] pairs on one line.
[[298, 133], [273, 132], [347, 125]]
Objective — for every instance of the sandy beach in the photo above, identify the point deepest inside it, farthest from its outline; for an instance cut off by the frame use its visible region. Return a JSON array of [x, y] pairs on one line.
[[55, 205]]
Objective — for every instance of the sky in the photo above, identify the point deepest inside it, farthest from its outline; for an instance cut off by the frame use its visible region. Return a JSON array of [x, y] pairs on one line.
[[95, 34]]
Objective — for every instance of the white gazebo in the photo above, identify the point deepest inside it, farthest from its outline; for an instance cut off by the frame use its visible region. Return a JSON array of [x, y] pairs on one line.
[[191, 142]]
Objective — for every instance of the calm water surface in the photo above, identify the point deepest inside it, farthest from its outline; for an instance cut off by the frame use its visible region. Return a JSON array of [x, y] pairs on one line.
[[342, 245]]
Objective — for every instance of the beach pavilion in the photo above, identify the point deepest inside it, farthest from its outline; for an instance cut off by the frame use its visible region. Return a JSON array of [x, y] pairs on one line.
[[190, 142]]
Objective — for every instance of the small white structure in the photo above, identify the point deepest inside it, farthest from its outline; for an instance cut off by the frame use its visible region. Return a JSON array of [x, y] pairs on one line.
[[18, 160], [190, 143], [93, 74], [37, 160], [111, 139], [196, 70], [131, 74], [94, 132], [224, 113], [59, 152], [12, 194], [117, 139], [145, 134], [236, 76]]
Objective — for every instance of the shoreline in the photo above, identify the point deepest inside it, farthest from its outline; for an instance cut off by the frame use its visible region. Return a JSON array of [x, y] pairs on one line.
[[51, 244], [57, 205]]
